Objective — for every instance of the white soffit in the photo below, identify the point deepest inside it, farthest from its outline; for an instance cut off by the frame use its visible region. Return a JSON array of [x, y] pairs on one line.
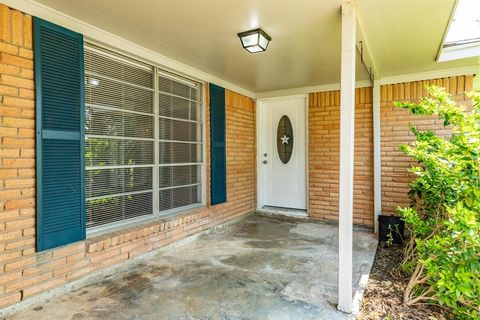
[[405, 36], [305, 46], [199, 38]]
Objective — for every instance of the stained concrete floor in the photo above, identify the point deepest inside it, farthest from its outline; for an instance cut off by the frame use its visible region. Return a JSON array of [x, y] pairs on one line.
[[261, 268]]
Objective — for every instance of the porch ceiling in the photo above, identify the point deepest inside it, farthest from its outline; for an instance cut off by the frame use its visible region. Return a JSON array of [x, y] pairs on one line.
[[403, 36]]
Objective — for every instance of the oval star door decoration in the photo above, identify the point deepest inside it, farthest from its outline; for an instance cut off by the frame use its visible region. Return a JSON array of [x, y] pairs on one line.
[[285, 139]]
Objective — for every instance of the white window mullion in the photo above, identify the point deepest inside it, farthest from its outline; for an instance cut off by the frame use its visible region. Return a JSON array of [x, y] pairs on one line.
[[156, 132]]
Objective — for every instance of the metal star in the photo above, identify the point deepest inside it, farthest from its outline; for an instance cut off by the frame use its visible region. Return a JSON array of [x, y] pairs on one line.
[[285, 139]]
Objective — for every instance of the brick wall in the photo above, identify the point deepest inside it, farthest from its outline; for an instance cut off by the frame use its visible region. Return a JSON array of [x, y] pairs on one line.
[[241, 158], [324, 148], [324, 152], [17, 154], [25, 273], [395, 131]]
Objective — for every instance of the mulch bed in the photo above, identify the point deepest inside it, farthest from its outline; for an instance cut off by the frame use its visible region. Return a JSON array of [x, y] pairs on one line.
[[384, 295]]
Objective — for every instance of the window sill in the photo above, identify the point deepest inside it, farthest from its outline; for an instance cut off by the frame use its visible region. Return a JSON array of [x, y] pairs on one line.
[[184, 221]]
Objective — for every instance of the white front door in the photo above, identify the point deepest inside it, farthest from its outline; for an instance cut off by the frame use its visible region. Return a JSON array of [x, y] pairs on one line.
[[282, 153]]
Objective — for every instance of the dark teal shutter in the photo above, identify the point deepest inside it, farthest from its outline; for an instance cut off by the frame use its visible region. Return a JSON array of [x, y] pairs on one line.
[[218, 158], [59, 86]]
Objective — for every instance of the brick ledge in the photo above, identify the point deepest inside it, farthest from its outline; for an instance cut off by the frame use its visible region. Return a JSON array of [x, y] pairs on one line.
[[163, 228]]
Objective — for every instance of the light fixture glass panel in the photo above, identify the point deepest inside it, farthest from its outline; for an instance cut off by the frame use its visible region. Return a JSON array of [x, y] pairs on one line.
[[254, 40], [254, 49], [250, 40], [263, 42]]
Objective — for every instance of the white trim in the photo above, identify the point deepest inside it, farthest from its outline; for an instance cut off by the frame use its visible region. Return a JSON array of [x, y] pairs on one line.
[[347, 135], [258, 119], [294, 213], [283, 97], [156, 147], [468, 70], [307, 161], [176, 78], [377, 159], [435, 74], [456, 52], [308, 89], [203, 165], [445, 33], [36, 9]]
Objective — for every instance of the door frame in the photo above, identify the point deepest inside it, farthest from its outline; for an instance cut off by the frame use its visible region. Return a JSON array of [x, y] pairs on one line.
[[260, 168]]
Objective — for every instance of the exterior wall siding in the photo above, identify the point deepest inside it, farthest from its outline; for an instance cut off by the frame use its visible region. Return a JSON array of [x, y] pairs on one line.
[[324, 156], [324, 148], [25, 273], [394, 124]]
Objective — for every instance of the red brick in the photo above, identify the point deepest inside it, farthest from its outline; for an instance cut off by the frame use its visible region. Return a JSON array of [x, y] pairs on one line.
[[28, 292], [15, 265], [11, 298], [15, 60]]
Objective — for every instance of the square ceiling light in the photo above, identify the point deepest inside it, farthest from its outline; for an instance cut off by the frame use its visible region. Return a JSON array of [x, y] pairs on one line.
[[255, 40]]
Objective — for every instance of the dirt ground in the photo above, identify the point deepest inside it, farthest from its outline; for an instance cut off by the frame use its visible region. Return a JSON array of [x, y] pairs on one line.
[[383, 297]]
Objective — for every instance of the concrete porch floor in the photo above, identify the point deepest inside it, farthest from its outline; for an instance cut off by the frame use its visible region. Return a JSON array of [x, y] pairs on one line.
[[261, 268]]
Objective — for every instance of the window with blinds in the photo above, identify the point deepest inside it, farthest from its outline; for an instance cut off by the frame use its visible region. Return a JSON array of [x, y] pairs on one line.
[[143, 139], [119, 133], [180, 142]]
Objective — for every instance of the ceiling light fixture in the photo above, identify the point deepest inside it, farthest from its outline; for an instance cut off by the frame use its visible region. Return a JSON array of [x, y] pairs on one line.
[[254, 40]]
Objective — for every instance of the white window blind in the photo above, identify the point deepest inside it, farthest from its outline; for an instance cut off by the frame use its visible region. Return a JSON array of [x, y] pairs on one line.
[[119, 98], [180, 142], [144, 139]]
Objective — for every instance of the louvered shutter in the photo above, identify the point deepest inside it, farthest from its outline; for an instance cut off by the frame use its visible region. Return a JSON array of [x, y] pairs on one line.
[[59, 84], [218, 169]]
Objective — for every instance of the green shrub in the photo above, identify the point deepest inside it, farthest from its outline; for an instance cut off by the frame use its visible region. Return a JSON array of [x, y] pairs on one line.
[[443, 253]]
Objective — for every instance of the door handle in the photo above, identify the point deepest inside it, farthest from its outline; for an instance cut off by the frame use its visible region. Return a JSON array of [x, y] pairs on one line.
[[265, 161]]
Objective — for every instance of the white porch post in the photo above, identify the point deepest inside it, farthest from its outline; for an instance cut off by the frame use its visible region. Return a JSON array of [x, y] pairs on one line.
[[347, 132], [377, 164]]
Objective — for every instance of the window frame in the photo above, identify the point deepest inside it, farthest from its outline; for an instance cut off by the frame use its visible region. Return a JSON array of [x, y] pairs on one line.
[[158, 71]]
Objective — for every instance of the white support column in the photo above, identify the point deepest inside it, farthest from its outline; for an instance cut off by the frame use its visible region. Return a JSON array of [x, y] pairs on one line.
[[347, 133], [377, 162]]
